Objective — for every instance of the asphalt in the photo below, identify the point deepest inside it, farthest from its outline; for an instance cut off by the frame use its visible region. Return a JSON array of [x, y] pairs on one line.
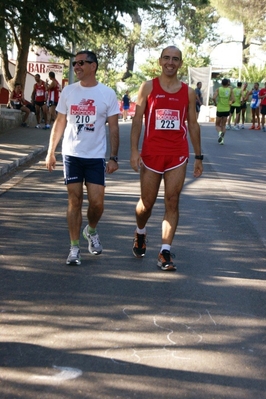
[[20, 145], [117, 326]]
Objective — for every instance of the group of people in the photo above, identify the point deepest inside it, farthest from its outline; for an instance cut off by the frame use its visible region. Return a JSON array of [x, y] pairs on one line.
[[168, 107], [44, 99], [233, 101]]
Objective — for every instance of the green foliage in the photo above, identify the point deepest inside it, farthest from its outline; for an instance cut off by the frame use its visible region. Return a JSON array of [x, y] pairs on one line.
[[195, 19], [133, 83], [250, 74], [251, 14], [53, 24], [148, 70], [191, 58], [108, 46], [151, 68], [109, 77]]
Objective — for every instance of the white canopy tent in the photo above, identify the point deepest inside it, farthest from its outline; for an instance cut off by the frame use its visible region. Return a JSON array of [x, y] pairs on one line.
[[203, 75]]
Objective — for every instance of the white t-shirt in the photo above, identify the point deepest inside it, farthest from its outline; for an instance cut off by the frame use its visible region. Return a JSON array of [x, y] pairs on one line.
[[87, 109]]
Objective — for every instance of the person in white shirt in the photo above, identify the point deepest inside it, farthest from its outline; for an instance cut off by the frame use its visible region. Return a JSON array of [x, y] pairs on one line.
[[82, 112]]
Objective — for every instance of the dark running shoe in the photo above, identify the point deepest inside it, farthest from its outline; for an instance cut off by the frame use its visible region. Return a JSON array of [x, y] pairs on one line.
[[165, 261], [139, 246], [221, 138]]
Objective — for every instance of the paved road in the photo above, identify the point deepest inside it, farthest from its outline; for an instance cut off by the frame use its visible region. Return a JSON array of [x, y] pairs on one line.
[[116, 327]]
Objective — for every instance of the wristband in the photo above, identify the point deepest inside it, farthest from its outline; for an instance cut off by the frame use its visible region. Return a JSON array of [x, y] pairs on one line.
[[199, 157]]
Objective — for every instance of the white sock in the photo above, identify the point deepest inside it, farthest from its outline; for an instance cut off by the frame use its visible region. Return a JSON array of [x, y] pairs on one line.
[[165, 246], [141, 231]]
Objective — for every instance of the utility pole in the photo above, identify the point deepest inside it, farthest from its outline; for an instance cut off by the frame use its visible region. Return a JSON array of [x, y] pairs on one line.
[[71, 69]]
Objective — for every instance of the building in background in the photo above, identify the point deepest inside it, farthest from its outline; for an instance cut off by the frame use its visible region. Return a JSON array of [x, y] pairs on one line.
[[39, 61]]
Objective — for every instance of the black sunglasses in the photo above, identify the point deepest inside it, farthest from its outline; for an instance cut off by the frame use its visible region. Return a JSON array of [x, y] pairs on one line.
[[81, 62]]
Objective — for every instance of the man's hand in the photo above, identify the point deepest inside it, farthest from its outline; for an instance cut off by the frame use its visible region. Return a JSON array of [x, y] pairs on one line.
[[50, 162], [198, 168], [111, 166], [135, 161]]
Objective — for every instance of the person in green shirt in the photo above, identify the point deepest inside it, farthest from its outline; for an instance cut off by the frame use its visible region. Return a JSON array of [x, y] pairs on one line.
[[223, 98], [236, 106]]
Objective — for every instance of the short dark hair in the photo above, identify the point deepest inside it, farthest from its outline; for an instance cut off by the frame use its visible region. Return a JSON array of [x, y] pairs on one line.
[[239, 84], [91, 56], [225, 82], [51, 74]]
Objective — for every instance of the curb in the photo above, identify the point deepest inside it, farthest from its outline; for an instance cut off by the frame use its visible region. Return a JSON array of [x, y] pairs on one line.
[[22, 160]]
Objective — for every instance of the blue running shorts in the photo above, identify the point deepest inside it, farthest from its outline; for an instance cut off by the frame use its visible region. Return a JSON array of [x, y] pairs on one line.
[[79, 170]]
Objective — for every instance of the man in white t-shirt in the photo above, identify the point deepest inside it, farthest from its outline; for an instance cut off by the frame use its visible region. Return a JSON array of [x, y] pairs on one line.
[[82, 112]]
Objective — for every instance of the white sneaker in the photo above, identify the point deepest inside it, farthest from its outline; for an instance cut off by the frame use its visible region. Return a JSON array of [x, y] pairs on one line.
[[94, 243], [38, 126], [74, 258], [228, 127], [221, 138], [235, 127], [242, 127]]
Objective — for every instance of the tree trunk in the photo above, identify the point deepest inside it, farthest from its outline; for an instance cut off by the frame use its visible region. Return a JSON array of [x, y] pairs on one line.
[[245, 51], [22, 58], [130, 61], [4, 54], [133, 41]]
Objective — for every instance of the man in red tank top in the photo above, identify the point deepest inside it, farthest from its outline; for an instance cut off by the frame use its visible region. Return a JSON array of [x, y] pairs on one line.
[[17, 101], [167, 104], [39, 98], [53, 89]]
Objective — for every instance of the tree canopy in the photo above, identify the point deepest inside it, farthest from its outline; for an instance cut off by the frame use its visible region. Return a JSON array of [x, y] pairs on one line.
[[53, 24], [191, 20], [252, 15]]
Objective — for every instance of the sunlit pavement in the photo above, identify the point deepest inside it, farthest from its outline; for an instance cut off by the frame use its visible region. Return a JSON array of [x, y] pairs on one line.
[[118, 327]]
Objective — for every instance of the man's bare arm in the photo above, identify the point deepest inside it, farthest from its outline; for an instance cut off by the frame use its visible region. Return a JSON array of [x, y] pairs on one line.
[[112, 166], [56, 134], [144, 91], [194, 132]]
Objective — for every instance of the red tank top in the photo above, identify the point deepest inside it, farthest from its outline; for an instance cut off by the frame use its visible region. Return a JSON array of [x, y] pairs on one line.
[[165, 127], [16, 97], [40, 90], [262, 93], [53, 94]]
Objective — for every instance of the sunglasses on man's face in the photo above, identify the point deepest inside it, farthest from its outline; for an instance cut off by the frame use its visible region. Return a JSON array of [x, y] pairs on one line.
[[81, 62]]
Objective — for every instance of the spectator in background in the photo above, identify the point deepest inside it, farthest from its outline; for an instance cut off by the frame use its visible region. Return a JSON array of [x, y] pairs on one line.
[[222, 98], [255, 106], [235, 106], [199, 98], [262, 97], [125, 105], [39, 98], [243, 106], [53, 90], [17, 101]]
